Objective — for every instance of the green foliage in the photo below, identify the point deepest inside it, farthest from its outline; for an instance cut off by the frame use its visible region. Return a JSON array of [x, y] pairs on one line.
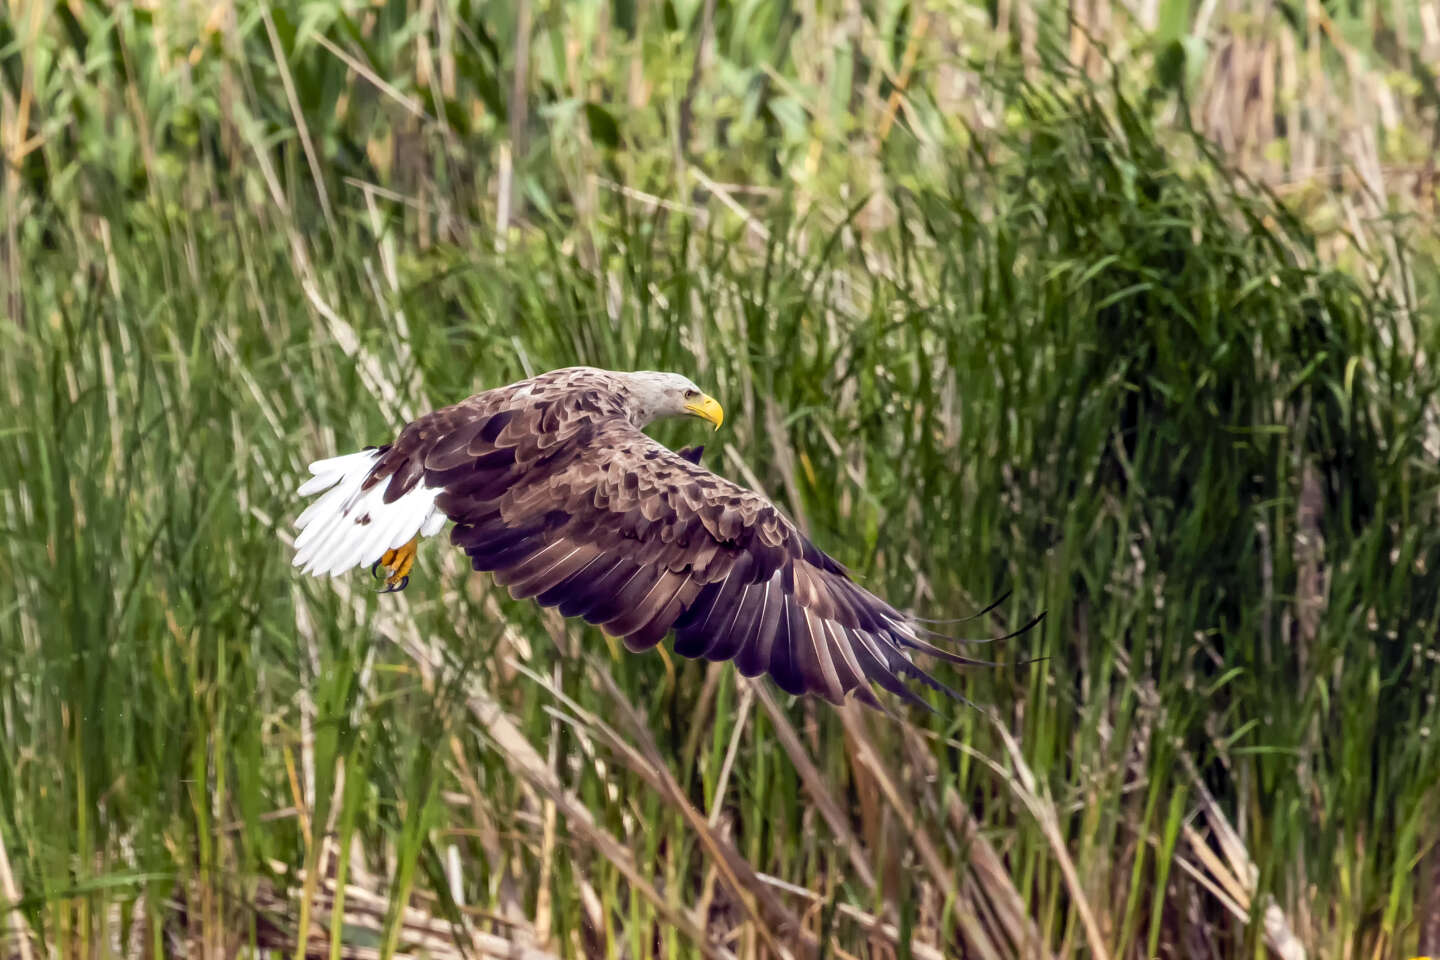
[[1067, 354]]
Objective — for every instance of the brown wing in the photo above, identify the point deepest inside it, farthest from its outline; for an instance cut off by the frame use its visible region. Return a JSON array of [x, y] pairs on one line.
[[575, 507]]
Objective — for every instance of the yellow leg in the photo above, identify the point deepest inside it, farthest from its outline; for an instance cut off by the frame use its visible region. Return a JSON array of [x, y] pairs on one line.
[[397, 564]]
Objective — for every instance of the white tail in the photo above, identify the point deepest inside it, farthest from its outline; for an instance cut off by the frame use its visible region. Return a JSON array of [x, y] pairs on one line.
[[348, 527]]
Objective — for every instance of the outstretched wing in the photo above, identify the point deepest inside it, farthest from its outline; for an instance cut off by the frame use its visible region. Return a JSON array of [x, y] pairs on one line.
[[584, 512]]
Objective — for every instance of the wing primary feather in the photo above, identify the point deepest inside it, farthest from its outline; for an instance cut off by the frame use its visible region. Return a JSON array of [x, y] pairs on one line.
[[628, 598], [706, 611], [726, 641], [826, 680], [900, 637], [974, 616], [537, 564], [876, 664], [586, 592], [511, 545], [654, 631], [638, 612], [865, 610], [611, 600], [781, 663], [517, 552], [720, 605], [746, 631], [554, 595], [752, 651], [578, 558], [768, 628], [845, 646], [714, 630], [918, 624], [742, 632], [660, 610], [538, 561], [690, 636]]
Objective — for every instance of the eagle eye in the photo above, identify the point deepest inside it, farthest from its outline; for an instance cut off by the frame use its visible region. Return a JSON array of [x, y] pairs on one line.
[[692, 394]]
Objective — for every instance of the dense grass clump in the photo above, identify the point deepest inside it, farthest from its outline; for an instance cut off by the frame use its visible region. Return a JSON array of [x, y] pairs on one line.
[[1070, 355]]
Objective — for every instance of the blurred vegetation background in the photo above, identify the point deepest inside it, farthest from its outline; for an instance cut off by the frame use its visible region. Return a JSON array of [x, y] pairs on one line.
[[1126, 307]]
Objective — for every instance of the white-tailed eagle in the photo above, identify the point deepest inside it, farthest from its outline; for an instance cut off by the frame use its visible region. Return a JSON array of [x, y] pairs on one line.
[[554, 489]]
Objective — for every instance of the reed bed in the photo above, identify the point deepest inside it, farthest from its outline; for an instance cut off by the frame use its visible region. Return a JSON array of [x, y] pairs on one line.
[[1127, 312]]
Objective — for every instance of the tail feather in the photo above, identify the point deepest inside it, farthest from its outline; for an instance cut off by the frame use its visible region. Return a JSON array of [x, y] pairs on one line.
[[351, 527]]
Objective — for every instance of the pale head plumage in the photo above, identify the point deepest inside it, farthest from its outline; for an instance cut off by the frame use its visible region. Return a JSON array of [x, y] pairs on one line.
[[654, 395], [642, 396]]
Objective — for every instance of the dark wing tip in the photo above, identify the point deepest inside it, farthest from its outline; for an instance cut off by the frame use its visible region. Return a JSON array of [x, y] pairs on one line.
[[692, 453], [903, 667], [989, 607], [916, 623]]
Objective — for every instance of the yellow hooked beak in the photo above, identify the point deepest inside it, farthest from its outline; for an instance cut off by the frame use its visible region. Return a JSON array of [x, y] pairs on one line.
[[707, 408]]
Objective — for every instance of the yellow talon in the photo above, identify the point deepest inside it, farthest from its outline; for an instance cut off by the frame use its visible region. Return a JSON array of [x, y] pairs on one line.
[[398, 564]]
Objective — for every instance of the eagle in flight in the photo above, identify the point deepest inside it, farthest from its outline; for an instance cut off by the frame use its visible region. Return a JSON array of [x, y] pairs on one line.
[[555, 490]]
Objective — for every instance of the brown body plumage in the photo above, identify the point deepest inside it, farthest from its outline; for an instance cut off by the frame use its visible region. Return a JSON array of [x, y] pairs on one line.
[[554, 489]]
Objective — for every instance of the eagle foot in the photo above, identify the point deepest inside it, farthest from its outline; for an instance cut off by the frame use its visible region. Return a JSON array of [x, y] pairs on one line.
[[397, 564]]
